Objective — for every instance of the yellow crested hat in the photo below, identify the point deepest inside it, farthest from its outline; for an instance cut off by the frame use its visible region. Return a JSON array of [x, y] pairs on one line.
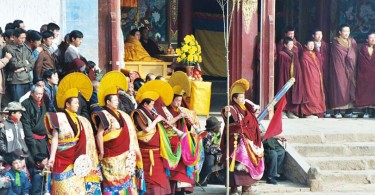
[[109, 85], [147, 94], [71, 85], [177, 90], [240, 86], [162, 88], [180, 78]]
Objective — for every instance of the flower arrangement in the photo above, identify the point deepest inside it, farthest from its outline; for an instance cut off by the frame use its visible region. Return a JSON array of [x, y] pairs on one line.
[[190, 51]]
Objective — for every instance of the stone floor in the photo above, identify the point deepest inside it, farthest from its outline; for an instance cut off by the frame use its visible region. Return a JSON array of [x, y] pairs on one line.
[[316, 130]]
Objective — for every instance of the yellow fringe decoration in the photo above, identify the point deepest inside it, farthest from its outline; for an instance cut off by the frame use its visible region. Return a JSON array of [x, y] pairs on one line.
[[235, 143]]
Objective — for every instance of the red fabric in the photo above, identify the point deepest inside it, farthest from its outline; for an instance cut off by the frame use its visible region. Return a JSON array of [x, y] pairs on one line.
[[248, 126], [67, 157], [159, 177], [365, 95], [342, 73], [297, 94], [14, 119], [158, 105], [297, 46], [313, 82], [119, 145], [39, 137], [39, 103], [324, 59], [276, 125]]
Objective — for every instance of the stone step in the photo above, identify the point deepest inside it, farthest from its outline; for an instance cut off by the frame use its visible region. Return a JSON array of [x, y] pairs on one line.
[[331, 138], [261, 187], [344, 177], [336, 149], [343, 162], [348, 187]]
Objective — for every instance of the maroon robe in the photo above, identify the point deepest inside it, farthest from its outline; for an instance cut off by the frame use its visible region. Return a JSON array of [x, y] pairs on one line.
[[313, 81], [296, 49], [296, 95], [324, 59], [365, 94], [342, 73]]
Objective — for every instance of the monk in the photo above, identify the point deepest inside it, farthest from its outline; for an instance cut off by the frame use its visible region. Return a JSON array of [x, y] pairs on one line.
[[297, 49], [290, 67], [342, 73], [134, 50], [311, 68], [365, 94], [322, 48]]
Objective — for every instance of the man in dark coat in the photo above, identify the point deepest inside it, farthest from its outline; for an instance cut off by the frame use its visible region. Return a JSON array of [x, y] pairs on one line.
[[33, 123]]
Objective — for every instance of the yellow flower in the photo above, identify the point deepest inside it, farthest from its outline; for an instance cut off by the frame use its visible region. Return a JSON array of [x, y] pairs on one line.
[[195, 58], [185, 48], [183, 55], [200, 59], [190, 58], [178, 59], [192, 50], [178, 51], [199, 49], [187, 39]]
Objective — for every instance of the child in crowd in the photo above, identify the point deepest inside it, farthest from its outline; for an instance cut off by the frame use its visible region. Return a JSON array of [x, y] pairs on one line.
[[20, 183], [4, 181], [38, 183]]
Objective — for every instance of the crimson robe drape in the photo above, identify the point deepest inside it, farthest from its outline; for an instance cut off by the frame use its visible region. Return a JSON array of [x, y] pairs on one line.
[[365, 94]]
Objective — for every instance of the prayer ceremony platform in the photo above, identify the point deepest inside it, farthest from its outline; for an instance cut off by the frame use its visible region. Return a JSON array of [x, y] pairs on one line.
[[324, 156]]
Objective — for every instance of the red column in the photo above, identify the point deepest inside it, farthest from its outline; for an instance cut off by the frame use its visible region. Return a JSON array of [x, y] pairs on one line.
[[115, 25], [267, 53], [242, 44], [104, 35], [185, 14]]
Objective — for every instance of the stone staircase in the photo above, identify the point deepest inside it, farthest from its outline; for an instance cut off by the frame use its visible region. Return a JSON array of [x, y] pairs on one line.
[[339, 162]]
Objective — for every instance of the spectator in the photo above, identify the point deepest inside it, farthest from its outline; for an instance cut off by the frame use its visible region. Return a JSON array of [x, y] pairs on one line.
[[55, 29], [13, 128], [127, 101], [33, 42], [43, 28], [59, 55], [36, 81], [8, 36], [33, 123], [138, 82], [20, 183], [51, 79], [9, 26], [37, 176], [150, 77], [45, 59], [159, 77], [211, 144], [19, 24], [5, 182], [134, 50], [274, 155], [19, 68], [74, 61], [3, 62]]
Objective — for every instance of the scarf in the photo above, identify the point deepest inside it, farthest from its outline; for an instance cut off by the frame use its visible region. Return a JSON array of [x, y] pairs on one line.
[[18, 178]]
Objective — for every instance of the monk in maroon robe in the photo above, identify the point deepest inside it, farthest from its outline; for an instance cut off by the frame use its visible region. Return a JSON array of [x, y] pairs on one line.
[[343, 73], [365, 94], [290, 67], [313, 81], [322, 48], [297, 49]]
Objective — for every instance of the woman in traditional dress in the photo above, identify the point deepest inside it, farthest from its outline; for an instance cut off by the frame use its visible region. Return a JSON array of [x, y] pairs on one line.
[[73, 159], [117, 142], [152, 138], [245, 144]]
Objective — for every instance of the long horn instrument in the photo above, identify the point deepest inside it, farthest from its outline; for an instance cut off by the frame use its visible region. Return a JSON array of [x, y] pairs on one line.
[[201, 132]]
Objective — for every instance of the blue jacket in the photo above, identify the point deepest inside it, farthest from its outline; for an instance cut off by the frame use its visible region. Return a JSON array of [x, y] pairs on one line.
[[18, 190]]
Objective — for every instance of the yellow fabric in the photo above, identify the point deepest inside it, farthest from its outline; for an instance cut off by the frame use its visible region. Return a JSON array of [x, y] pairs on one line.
[[201, 97], [213, 52], [344, 42], [134, 51], [109, 85], [370, 50], [180, 78], [70, 85], [148, 94], [73, 116], [151, 152], [177, 90], [239, 86], [162, 88], [111, 135]]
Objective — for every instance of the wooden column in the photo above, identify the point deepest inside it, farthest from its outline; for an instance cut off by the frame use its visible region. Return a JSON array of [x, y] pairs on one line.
[[267, 53], [242, 43], [115, 25], [323, 13], [105, 48], [185, 14]]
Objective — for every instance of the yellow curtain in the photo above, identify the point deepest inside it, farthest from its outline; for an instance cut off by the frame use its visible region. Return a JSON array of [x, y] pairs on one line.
[[213, 52], [200, 99]]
